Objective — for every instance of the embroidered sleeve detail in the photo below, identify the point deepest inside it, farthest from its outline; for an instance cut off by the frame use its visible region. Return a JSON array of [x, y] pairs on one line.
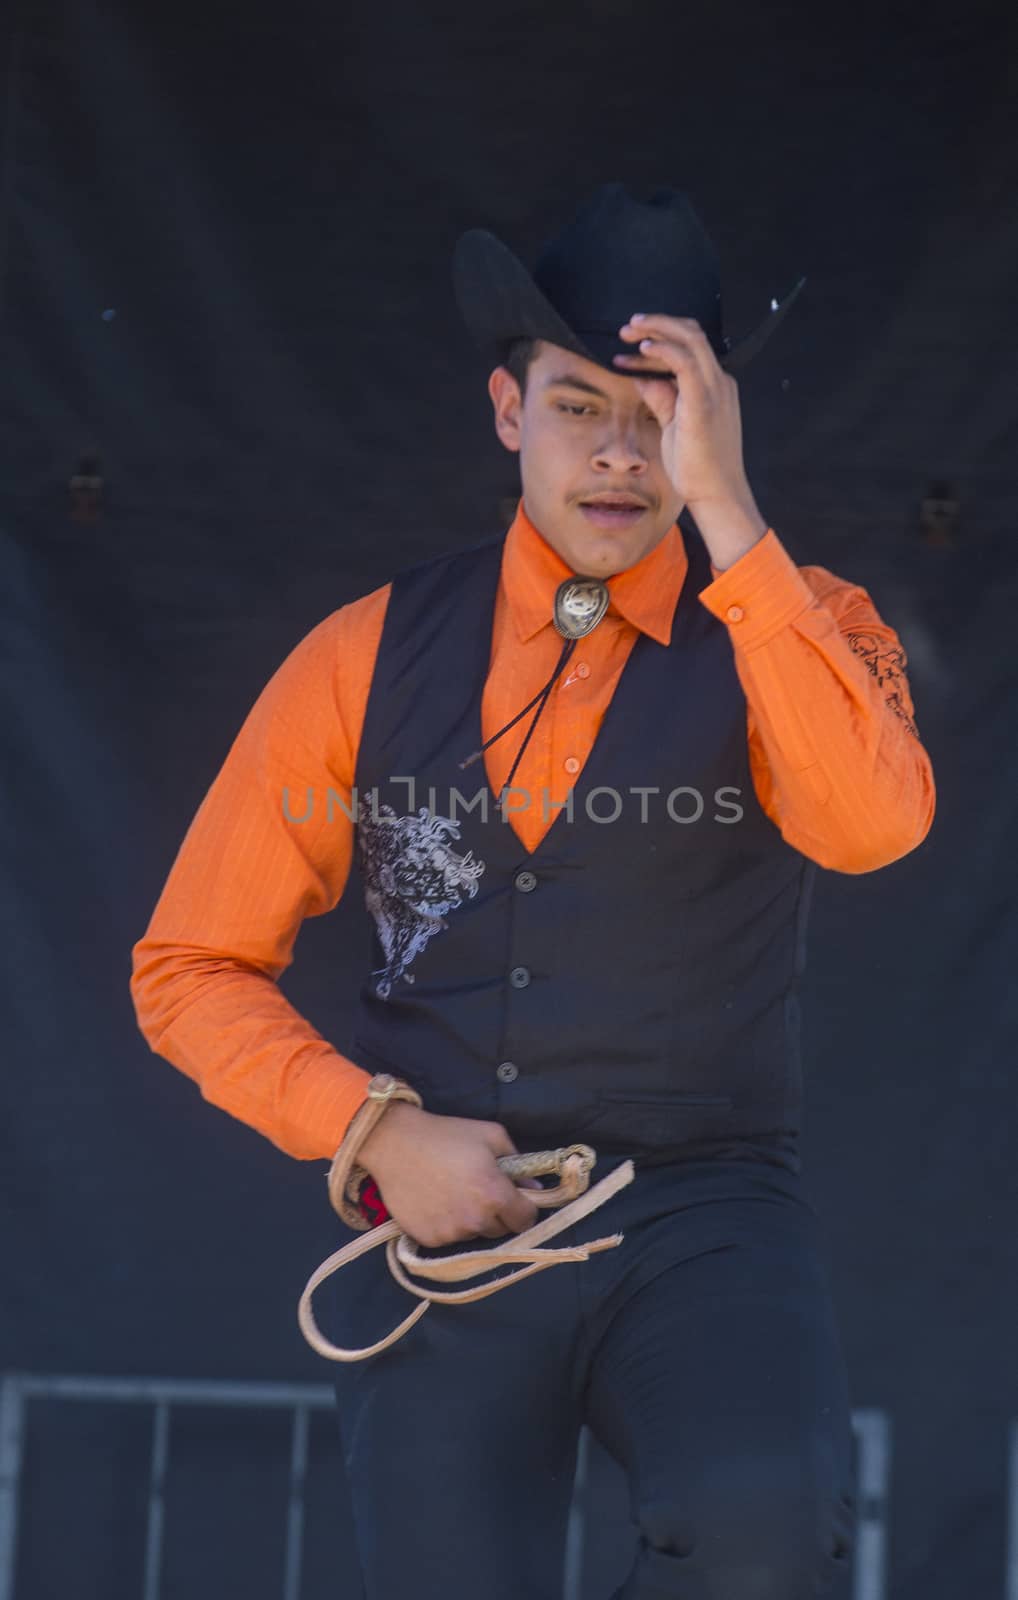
[[887, 664]]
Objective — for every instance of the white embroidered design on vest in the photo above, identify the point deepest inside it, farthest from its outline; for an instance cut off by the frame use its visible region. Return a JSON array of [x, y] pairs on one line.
[[412, 878]]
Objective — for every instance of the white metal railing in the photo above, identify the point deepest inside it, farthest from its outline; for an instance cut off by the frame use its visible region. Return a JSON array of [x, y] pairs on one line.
[[162, 1394], [1011, 1589], [873, 1458], [872, 1429]]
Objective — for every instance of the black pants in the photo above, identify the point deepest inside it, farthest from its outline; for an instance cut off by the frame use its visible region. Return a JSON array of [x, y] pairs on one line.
[[702, 1352]]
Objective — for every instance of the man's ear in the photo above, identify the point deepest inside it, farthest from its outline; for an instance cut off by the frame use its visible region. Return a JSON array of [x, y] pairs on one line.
[[505, 397]]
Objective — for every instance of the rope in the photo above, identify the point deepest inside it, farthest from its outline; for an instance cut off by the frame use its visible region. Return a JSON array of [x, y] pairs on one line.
[[571, 1198]]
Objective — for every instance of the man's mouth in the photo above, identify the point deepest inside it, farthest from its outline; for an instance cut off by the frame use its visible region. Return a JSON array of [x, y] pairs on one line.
[[612, 513]]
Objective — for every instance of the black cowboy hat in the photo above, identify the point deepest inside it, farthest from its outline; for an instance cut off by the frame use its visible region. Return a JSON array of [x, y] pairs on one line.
[[617, 255]]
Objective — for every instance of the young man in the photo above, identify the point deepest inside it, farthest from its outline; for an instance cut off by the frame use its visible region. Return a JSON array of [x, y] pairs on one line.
[[609, 952]]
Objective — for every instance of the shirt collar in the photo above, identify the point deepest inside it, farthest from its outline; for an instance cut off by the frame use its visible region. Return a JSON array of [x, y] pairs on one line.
[[646, 594]]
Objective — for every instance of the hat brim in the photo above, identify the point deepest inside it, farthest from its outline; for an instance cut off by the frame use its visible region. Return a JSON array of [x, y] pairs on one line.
[[499, 301]]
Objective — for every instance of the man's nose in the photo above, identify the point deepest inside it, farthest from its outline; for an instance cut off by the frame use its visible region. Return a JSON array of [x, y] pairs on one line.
[[620, 449]]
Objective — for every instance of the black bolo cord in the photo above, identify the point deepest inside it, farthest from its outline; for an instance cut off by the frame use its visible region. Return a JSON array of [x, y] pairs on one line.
[[580, 603], [542, 696]]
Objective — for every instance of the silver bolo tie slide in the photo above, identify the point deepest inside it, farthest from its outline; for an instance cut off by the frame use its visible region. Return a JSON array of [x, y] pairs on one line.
[[580, 603]]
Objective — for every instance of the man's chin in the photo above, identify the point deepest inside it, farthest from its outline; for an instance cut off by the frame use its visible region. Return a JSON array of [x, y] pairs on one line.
[[600, 553]]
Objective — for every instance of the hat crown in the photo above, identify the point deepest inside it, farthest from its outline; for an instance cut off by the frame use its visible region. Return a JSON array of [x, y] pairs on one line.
[[620, 254]]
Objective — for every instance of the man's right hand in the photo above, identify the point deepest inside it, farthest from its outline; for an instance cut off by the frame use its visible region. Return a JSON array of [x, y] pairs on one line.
[[439, 1178]]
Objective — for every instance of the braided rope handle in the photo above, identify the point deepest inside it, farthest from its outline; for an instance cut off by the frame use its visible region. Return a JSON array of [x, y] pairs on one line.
[[345, 1174], [572, 1164]]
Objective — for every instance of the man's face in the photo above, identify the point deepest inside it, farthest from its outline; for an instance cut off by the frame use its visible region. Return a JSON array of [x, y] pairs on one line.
[[583, 431]]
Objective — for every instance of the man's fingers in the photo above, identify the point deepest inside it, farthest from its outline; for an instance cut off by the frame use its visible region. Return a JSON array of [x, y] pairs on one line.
[[496, 1229], [498, 1140], [678, 338], [517, 1212]]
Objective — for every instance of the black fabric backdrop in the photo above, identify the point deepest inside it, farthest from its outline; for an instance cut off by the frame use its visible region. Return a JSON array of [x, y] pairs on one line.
[[226, 237]]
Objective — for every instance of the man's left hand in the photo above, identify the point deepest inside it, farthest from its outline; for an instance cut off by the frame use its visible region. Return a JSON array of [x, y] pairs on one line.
[[697, 406]]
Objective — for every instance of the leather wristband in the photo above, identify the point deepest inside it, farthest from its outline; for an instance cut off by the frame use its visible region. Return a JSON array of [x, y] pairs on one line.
[[345, 1176]]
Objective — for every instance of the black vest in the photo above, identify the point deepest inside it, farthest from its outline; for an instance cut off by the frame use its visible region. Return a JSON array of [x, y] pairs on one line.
[[633, 982]]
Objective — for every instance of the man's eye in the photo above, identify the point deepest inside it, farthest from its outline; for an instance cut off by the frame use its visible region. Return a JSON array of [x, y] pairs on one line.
[[576, 411]]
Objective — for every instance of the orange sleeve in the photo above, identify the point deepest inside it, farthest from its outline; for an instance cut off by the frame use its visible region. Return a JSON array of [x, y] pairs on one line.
[[835, 753], [263, 853]]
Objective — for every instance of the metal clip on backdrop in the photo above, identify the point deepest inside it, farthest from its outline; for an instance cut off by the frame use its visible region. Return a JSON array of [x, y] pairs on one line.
[[572, 1164]]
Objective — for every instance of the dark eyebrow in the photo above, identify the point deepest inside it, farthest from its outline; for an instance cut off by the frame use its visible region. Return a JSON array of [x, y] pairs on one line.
[[565, 381]]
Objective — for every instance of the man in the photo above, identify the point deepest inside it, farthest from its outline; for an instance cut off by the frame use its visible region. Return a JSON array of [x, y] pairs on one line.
[[609, 952]]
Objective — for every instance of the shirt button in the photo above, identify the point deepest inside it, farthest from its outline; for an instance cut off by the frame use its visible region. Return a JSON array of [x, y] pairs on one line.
[[519, 977], [735, 613], [571, 764], [506, 1071], [582, 669], [526, 881]]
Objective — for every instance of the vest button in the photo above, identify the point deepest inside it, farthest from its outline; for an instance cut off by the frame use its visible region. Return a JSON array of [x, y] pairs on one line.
[[571, 764], [519, 977], [506, 1071], [526, 881]]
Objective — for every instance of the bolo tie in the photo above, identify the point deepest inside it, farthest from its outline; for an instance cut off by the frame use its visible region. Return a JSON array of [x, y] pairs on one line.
[[580, 603]]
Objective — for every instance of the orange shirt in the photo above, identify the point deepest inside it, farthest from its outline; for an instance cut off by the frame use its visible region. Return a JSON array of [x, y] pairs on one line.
[[834, 753]]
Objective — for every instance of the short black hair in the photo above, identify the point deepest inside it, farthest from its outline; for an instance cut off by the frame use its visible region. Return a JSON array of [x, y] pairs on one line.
[[517, 354]]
